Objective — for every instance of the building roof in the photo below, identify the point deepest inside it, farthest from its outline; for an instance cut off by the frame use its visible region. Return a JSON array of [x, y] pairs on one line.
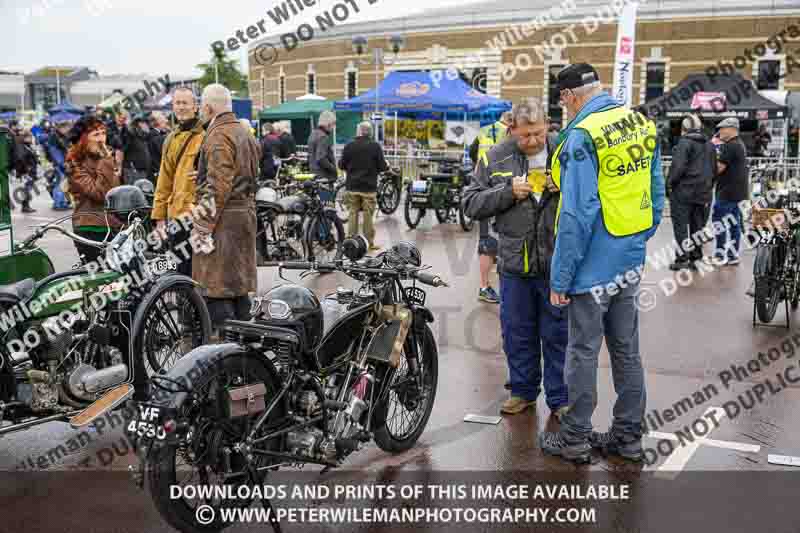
[[493, 13]]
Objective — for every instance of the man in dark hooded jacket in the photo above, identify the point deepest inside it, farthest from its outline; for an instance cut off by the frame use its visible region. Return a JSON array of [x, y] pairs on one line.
[[693, 168]]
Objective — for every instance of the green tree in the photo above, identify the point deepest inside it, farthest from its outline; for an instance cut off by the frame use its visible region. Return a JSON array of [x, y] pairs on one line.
[[228, 70]]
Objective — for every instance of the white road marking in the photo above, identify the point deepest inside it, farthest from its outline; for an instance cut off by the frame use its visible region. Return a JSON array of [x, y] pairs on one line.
[[30, 217], [678, 459]]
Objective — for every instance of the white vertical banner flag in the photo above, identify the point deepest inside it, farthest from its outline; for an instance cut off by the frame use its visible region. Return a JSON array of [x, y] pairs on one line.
[[624, 58]]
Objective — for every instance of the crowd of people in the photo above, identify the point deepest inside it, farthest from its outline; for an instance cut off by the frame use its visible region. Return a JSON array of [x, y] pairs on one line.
[[136, 143], [558, 223]]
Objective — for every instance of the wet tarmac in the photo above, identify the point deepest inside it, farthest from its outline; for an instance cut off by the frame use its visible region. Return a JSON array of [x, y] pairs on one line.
[[689, 341]]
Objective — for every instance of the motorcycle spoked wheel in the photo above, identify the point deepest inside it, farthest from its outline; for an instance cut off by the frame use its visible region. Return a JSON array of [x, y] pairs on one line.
[[402, 416], [388, 197], [324, 237], [176, 321], [466, 223], [200, 463], [341, 205], [271, 246], [444, 215], [413, 215]]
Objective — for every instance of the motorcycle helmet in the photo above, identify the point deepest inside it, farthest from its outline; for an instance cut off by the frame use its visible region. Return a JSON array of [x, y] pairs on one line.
[[408, 252], [297, 308], [146, 186], [124, 200]]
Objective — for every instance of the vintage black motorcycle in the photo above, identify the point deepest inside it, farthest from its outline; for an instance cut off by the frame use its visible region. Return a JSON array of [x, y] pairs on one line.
[[297, 225], [303, 382]]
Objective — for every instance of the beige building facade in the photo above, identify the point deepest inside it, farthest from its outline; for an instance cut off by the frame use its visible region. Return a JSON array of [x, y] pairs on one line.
[[499, 48]]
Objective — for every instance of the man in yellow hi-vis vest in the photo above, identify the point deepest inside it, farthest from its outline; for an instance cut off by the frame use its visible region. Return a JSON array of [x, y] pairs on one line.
[[489, 136], [608, 168]]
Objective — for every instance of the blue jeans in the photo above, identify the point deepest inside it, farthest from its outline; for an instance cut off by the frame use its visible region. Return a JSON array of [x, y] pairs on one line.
[[728, 245], [59, 199], [616, 319], [533, 330]]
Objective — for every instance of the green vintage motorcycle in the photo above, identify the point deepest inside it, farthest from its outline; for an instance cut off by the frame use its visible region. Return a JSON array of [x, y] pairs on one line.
[[76, 344]]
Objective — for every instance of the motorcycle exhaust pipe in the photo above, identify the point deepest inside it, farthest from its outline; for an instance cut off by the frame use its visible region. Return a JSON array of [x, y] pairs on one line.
[[105, 378]]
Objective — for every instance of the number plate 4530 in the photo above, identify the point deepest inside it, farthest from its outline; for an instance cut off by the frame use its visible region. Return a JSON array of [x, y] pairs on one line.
[[147, 424]]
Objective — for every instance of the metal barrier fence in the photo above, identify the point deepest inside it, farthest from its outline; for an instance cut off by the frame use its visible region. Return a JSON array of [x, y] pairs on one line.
[[415, 161]]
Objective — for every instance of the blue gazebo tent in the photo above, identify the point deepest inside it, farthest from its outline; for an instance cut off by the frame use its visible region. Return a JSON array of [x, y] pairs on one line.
[[415, 95], [66, 107], [64, 117]]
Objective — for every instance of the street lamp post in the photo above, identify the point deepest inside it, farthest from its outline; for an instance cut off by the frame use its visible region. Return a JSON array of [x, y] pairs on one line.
[[378, 59], [58, 87]]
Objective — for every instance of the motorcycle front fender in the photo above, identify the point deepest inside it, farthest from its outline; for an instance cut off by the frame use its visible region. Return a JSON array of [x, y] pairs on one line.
[[762, 266], [154, 291]]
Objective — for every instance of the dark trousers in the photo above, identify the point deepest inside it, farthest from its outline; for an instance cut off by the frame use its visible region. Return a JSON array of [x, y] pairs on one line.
[[728, 214], [534, 332], [180, 247], [688, 219], [88, 253], [28, 181], [222, 309]]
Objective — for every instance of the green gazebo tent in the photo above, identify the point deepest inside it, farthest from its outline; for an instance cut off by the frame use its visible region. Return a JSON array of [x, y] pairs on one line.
[[303, 113]]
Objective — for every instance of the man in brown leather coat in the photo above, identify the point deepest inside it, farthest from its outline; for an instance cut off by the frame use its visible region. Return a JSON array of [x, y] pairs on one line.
[[224, 231]]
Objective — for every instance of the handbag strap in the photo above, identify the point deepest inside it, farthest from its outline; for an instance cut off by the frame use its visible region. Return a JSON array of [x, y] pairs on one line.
[[183, 148]]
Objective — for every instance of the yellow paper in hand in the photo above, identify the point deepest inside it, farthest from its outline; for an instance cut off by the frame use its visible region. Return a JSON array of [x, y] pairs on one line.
[[537, 179]]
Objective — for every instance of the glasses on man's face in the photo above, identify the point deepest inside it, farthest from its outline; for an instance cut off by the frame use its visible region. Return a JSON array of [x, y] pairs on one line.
[[563, 95]]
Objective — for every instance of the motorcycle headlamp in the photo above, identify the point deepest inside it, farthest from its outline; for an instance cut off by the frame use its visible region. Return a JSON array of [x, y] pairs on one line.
[[278, 309], [121, 253]]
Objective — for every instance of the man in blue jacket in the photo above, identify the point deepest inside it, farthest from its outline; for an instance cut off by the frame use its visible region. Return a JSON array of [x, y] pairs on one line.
[[608, 168]]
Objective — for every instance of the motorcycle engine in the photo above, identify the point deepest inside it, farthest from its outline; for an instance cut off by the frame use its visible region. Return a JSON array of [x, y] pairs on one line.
[[344, 425], [55, 340]]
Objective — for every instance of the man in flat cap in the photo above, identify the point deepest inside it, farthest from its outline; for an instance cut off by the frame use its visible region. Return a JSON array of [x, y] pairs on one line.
[[608, 168], [732, 188]]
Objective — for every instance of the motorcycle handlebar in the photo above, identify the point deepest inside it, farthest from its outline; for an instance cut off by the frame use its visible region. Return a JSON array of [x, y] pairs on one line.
[[428, 279]]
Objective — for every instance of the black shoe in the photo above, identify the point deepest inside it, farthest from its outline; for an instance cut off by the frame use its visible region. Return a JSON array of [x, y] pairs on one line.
[[553, 443], [28, 209], [610, 444]]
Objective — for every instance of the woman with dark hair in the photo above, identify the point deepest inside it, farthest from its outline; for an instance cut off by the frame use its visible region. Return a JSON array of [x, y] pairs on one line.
[[91, 172]]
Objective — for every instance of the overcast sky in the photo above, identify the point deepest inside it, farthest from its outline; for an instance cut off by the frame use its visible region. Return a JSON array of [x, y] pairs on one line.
[[149, 36]]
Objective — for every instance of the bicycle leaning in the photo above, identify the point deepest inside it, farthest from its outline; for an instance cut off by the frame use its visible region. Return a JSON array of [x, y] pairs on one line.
[[776, 269]]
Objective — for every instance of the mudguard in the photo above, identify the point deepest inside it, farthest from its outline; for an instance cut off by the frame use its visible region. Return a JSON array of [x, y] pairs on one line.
[[762, 265], [186, 374], [137, 326], [423, 312], [163, 283]]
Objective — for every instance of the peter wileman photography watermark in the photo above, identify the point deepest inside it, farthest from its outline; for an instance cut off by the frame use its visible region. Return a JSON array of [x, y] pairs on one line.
[[266, 54], [554, 45], [97, 300], [760, 391]]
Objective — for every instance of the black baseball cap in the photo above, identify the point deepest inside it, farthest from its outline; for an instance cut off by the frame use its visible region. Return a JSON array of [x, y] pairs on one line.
[[577, 75]]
